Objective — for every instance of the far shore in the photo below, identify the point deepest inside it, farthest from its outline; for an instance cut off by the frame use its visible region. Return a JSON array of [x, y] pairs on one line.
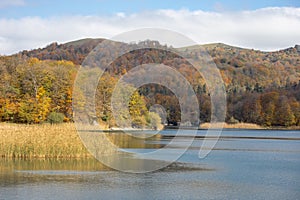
[[246, 126], [62, 140], [250, 126]]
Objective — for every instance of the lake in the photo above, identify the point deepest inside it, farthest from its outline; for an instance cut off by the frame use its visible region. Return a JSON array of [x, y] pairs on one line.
[[245, 164]]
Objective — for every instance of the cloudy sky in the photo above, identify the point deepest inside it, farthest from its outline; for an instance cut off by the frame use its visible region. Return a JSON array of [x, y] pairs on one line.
[[259, 24]]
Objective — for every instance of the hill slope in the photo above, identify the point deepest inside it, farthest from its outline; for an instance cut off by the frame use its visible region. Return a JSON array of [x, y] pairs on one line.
[[74, 51], [262, 87], [240, 67]]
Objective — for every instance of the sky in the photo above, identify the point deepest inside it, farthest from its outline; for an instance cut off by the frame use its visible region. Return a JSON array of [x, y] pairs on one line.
[[256, 24]]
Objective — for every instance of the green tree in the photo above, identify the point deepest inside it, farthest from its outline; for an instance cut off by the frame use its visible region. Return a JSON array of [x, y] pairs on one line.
[[55, 118], [154, 121]]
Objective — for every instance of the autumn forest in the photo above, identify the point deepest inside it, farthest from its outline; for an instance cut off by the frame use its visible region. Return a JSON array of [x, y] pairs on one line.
[[261, 87]]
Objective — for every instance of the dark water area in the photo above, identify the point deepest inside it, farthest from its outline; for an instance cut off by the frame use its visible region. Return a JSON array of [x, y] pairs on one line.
[[246, 164]]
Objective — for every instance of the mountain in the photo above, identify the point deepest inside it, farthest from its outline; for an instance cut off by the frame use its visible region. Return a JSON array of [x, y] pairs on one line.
[[262, 87], [74, 51], [239, 66]]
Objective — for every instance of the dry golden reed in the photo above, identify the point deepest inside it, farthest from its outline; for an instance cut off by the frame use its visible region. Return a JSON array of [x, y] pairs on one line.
[[234, 126], [40, 141]]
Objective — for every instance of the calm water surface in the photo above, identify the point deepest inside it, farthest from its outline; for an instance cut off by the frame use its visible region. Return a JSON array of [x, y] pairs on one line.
[[238, 168]]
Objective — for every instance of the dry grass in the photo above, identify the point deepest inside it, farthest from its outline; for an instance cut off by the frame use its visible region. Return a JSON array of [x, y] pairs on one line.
[[60, 141], [40, 141], [235, 126]]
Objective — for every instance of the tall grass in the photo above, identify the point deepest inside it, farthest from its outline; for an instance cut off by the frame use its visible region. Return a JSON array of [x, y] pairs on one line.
[[40, 141], [61, 141], [234, 126]]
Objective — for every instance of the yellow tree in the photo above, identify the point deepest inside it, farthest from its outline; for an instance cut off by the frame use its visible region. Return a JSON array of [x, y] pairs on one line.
[[34, 110], [42, 105], [26, 110], [137, 110]]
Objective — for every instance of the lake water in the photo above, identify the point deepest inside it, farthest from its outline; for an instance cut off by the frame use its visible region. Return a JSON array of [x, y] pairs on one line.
[[243, 165]]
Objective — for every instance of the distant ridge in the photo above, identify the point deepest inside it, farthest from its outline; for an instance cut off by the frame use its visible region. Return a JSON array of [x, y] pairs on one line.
[[74, 51], [83, 42], [241, 67], [261, 87], [77, 50]]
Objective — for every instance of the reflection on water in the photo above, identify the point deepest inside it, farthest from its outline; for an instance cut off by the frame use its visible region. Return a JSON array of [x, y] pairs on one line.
[[19, 172], [16, 172], [89, 164], [109, 149], [237, 169], [122, 140]]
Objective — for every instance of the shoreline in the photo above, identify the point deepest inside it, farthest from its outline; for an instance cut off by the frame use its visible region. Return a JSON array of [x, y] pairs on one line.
[[58, 141], [244, 126], [62, 140]]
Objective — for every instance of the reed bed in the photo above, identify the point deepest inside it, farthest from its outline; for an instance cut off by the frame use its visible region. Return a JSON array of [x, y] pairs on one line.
[[62, 141], [235, 126], [41, 141]]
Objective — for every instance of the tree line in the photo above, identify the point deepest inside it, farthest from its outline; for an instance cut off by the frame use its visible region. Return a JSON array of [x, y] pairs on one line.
[[35, 91], [262, 88]]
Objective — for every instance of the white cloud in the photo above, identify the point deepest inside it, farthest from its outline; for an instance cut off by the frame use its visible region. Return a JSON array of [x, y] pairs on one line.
[[6, 3], [265, 29]]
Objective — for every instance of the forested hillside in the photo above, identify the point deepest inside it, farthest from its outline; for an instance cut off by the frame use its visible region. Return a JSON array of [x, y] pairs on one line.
[[73, 51], [262, 87]]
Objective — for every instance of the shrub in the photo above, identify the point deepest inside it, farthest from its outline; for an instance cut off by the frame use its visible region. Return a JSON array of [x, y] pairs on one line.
[[55, 118], [232, 120], [154, 121]]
